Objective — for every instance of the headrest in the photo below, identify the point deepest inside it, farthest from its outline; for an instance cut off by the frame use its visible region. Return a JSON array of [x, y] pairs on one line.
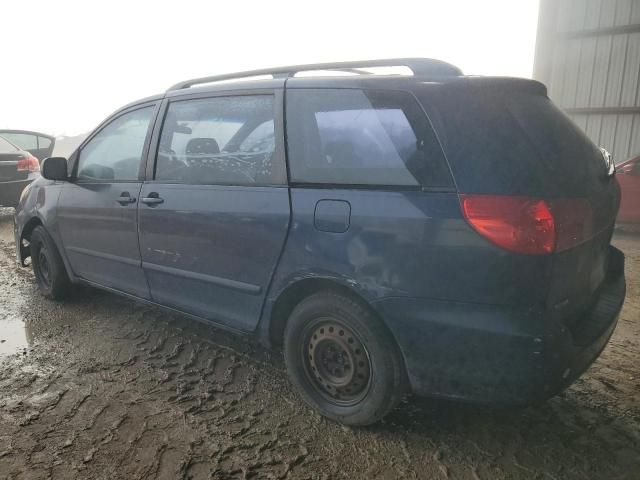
[[202, 146]]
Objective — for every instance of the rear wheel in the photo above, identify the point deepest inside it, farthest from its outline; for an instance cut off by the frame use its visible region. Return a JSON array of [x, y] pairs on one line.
[[343, 360], [48, 266]]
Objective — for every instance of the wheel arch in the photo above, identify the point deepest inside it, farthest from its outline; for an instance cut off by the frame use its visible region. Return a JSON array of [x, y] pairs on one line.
[[30, 226], [298, 290], [25, 234]]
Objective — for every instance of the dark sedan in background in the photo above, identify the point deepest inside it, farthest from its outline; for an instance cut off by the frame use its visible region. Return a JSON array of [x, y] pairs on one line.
[[20, 155]]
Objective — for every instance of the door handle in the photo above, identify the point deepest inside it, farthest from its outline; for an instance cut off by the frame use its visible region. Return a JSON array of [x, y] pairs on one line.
[[125, 199], [152, 199]]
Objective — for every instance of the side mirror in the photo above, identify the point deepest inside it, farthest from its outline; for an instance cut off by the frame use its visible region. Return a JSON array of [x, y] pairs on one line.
[[54, 168]]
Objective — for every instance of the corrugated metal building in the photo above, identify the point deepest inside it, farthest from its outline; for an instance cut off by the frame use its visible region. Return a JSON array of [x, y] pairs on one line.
[[588, 55]]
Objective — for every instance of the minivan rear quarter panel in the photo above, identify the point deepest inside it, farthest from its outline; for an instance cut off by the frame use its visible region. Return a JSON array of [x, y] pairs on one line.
[[458, 306], [410, 244]]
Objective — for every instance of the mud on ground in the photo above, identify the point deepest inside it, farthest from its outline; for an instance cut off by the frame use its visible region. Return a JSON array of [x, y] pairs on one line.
[[103, 388]]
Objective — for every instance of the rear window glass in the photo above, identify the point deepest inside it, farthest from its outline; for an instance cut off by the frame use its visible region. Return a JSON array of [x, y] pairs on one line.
[[512, 143], [6, 147], [361, 137], [44, 142], [22, 140]]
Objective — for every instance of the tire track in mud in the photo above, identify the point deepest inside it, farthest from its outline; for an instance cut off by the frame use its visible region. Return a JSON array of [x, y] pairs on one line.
[[112, 389]]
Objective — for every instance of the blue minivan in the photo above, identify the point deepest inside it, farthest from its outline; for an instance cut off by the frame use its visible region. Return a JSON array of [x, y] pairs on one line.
[[433, 233]]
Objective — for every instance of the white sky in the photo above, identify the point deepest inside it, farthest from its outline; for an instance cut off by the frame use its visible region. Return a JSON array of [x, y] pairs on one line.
[[66, 65]]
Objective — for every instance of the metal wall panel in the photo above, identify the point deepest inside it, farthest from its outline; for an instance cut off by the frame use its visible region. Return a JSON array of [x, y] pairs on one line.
[[601, 67], [635, 135], [607, 14], [588, 55], [629, 97]]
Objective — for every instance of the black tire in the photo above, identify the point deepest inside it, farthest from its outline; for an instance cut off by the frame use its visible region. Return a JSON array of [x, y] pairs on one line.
[[343, 360], [48, 266]]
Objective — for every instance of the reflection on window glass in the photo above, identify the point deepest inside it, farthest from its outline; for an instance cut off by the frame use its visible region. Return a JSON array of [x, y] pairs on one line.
[[362, 138], [224, 140], [6, 147], [116, 151], [44, 142], [260, 140], [367, 138], [23, 140]]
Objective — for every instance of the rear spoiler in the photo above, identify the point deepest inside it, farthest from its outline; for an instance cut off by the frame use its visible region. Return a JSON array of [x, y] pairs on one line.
[[498, 84]]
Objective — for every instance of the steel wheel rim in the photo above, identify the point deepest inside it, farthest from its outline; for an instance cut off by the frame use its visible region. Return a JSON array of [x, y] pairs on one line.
[[336, 362]]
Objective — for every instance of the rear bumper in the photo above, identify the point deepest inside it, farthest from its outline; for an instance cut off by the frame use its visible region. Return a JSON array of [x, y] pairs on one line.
[[498, 354], [10, 192], [574, 347]]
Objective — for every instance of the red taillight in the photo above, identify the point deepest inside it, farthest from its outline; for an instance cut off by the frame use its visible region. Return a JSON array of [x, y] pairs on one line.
[[529, 225], [28, 164], [518, 224]]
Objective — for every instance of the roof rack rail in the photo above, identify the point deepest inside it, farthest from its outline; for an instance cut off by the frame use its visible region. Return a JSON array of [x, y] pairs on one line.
[[419, 66]]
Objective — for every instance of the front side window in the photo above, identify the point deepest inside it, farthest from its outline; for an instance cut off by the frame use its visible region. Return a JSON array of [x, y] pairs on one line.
[[221, 140], [115, 152], [361, 137]]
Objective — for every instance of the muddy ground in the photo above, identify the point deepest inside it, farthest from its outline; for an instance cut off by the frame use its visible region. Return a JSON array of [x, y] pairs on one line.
[[103, 388]]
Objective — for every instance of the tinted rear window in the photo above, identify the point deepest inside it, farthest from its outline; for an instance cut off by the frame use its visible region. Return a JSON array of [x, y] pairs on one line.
[[512, 143], [360, 137]]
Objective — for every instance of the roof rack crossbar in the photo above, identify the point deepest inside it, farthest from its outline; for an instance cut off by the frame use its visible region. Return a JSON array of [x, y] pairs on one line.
[[419, 66]]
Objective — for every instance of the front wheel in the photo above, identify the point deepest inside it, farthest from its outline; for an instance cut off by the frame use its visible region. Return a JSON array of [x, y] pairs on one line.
[[48, 266], [343, 360]]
